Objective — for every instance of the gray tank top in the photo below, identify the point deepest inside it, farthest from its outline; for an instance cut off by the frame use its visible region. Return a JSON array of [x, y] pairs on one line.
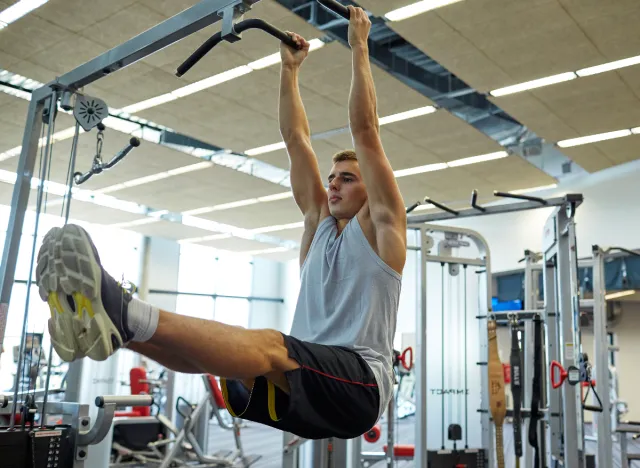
[[349, 297]]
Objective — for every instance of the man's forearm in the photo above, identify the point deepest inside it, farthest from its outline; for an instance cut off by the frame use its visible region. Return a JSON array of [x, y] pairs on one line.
[[292, 116], [363, 113]]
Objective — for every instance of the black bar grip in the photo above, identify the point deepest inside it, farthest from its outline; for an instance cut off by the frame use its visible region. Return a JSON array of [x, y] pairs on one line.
[[203, 50], [474, 201], [253, 23], [413, 207], [336, 7], [519, 197], [441, 206], [595, 409], [133, 143]]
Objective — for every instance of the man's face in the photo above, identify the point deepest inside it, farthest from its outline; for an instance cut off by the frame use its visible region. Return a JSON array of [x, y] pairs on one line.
[[347, 193]]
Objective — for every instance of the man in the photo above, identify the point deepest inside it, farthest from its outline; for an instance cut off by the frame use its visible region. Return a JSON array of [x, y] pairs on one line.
[[332, 376]]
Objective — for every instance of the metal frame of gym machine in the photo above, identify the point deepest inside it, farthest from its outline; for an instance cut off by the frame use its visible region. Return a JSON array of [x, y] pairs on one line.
[[561, 305], [560, 315], [61, 90]]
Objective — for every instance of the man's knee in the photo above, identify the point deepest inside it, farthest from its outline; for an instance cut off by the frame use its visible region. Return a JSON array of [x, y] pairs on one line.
[[277, 352]]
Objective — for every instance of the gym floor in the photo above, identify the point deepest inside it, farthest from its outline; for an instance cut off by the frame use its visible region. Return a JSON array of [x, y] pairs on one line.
[[267, 442]]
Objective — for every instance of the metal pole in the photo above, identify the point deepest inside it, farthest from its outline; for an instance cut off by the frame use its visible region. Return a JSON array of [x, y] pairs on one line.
[[569, 340], [19, 203], [420, 457], [551, 339], [604, 455], [529, 304]]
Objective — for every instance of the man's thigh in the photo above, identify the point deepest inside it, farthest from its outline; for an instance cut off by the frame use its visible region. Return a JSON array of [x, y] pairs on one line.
[[332, 393]]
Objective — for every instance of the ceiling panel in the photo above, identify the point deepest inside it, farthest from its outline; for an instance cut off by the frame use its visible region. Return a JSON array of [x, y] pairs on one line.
[[598, 156], [593, 104], [380, 7], [259, 215], [324, 149], [589, 157], [236, 244], [444, 135], [169, 230], [77, 15], [611, 26], [92, 213], [457, 183], [30, 35], [400, 150], [217, 120], [201, 188], [536, 115], [7, 59], [487, 44]]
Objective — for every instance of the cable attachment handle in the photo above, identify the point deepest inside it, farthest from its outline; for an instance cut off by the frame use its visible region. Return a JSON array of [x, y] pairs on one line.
[[98, 165], [407, 363]]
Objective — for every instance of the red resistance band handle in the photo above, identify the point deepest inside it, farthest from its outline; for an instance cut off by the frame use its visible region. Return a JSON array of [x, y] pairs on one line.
[[407, 363], [562, 373]]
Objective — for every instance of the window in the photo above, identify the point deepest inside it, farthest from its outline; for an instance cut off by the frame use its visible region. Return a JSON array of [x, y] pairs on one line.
[[207, 271], [119, 254]]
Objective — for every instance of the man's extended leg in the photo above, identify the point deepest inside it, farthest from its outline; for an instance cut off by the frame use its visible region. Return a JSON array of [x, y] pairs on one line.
[[92, 315], [166, 359]]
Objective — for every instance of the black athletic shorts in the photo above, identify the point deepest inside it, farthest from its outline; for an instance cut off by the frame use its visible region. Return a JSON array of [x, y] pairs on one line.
[[333, 394]]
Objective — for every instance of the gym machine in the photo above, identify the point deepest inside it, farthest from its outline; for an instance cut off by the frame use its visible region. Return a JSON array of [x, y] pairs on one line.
[[560, 281], [62, 445], [65, 94]]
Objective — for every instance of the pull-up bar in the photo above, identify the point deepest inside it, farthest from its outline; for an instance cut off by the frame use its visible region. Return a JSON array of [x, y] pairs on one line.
[[530, 203], [231, 32]]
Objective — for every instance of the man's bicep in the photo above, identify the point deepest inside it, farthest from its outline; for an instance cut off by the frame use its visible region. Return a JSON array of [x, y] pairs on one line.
[[383, 192], [306, 181]]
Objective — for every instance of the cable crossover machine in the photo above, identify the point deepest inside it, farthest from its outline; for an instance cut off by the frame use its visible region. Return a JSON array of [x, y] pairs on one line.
[[57, 434]]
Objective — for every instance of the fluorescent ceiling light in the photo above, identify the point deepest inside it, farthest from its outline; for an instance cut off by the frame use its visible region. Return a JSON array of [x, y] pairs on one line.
[[18, 10], [277, 196], [280, 227], [201, 223], [417, 9], [145, 180], [605, 67], [420, 169], [549, 80], [265, 61], [593, 138], [407, 115], [616, 295], [192, 240], [8, 177], [154, 101], [533, 189], [190, 168], [15, 92], [477, 159], [212, 81], [235, 204], [137, 222], [265, 149], [635, 131], [121, 125]]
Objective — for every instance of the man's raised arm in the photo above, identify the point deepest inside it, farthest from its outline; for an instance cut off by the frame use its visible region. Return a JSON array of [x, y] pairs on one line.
[[306, 182], [385, 200]]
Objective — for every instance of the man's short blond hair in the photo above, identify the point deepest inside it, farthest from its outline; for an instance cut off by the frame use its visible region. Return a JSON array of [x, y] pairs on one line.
[[344, 155]]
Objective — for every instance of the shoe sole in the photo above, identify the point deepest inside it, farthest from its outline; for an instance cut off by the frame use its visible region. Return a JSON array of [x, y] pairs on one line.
[[67, 267]]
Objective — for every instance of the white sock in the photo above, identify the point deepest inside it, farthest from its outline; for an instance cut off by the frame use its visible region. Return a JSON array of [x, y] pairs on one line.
[[143, 319]]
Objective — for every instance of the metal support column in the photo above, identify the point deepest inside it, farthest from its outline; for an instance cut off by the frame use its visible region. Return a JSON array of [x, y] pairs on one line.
[[604, 455], [420, 460], [560, 256]]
